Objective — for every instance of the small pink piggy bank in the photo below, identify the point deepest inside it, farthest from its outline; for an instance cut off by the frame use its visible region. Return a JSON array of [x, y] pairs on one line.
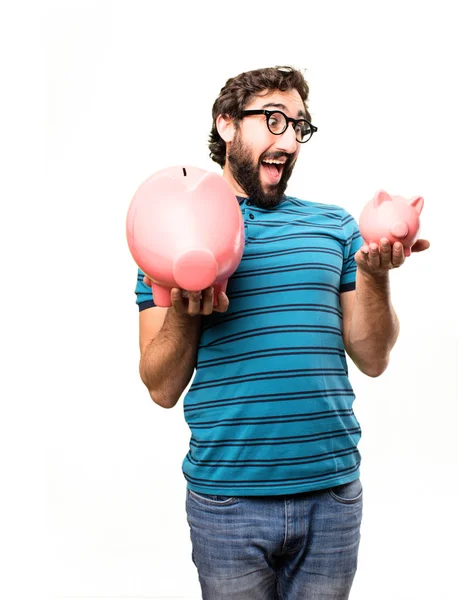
[[185, 229], [393, 217]]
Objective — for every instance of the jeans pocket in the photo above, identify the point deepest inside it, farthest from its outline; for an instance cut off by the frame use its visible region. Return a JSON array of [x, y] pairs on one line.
[[347, 493], [211, 499]]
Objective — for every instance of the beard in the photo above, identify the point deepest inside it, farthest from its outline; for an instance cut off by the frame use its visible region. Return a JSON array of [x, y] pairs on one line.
[[247, 174]]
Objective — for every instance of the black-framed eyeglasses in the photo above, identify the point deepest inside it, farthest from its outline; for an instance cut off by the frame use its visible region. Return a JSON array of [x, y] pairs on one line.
[[278, 122]]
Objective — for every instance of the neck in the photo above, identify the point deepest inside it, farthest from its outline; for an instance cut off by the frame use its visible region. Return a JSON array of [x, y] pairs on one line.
[[237, 189]]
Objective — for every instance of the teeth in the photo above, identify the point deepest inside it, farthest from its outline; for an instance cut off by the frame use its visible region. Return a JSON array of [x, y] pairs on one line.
[[274, 162]]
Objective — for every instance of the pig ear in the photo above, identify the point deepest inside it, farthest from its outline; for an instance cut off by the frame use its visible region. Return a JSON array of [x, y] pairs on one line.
[[380, 197], [167, 183], [418, 203], [211, 185]]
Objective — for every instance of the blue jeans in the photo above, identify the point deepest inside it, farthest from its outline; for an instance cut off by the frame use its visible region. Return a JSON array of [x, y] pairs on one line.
[[298, 547]]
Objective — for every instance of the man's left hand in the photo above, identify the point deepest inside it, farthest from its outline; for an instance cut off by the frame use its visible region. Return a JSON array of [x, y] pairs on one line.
[[377, 260]]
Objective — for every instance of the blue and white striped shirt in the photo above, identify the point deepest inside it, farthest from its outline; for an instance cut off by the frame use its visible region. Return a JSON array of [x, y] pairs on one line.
[[270, 406]]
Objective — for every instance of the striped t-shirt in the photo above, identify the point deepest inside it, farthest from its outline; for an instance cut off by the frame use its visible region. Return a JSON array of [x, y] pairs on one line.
[[270, 405]]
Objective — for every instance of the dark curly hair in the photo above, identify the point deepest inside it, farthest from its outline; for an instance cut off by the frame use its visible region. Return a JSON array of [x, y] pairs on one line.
[[239, 90]]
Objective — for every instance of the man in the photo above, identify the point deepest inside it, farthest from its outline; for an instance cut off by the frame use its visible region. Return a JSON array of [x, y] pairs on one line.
[[274, 498]]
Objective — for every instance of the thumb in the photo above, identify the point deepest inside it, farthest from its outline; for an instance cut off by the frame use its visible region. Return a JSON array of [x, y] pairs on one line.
[[420, 246]]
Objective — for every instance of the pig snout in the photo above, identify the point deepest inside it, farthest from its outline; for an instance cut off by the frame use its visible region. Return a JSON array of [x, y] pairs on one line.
[[195, 270], [400, 229]]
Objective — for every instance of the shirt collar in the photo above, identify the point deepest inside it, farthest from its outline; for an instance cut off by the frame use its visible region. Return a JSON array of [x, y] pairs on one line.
[[241, 199]]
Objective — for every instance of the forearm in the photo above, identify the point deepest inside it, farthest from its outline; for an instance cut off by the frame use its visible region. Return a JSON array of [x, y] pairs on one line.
[[168, 362], [374, 326]]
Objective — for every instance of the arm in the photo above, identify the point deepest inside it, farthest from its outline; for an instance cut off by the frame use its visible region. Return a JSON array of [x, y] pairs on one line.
[[168, 345], [370, 324], [168, 342]]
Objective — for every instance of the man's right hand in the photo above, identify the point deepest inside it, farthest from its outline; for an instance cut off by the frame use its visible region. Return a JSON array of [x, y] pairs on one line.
[[195, 303]]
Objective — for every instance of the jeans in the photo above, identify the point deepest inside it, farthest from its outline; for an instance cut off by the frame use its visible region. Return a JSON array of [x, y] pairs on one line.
[[297, 547]]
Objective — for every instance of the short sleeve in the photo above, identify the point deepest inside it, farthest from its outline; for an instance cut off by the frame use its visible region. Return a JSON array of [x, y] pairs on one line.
[[144, 294], [353, 242]]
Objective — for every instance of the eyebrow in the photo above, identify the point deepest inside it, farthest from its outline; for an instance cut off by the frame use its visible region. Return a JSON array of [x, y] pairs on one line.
[[301, 113]]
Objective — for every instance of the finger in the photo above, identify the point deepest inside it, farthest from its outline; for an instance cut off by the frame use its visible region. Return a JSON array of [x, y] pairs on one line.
[[398, 254], [223, 303], [147, 280], [207, 301], [362, 255], [420, 246], [194, 304], [178, 301], [385, 255], [374, 258]]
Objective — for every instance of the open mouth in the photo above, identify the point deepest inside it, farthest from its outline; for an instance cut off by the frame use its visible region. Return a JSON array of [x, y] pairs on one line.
[[272, 169]]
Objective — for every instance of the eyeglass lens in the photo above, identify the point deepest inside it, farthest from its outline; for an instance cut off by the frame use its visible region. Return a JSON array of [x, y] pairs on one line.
[[277, 124]]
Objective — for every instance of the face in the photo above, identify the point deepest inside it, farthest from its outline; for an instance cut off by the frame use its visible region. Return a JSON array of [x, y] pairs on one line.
[[253, 145]]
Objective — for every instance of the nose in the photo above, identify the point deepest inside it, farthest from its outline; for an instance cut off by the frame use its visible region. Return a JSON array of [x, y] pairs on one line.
[[286, 142]]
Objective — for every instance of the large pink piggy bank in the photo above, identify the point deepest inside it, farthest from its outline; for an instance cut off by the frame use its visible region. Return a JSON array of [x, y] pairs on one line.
[[392, 217], [185, 229]]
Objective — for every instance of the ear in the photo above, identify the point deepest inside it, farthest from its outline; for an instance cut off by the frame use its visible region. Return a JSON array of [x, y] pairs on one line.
[[418, 203], [225, 127], [380, 197]]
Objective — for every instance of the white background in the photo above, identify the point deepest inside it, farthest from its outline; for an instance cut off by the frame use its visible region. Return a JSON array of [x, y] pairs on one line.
[[96, 97]]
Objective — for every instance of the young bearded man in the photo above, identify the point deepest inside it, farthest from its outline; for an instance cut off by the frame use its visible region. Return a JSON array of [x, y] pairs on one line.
[[274, 498]]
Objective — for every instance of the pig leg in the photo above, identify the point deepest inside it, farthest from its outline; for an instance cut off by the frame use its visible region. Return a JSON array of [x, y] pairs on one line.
[[161, 295]]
